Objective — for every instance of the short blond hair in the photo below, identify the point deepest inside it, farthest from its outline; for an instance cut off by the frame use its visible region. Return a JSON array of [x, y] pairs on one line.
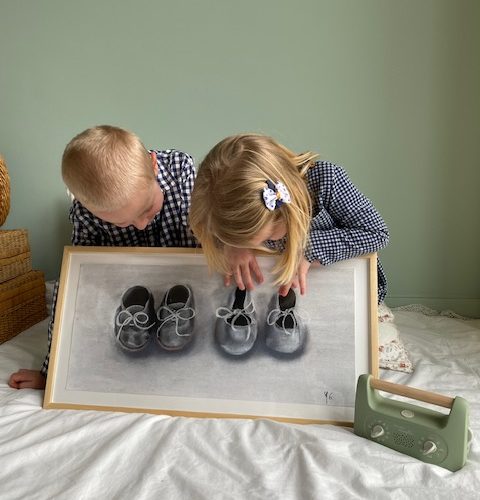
[[104, 166], [227, 206]]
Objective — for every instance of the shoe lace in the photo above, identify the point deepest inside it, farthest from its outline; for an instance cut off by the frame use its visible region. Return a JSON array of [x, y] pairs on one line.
[[126, 318], [177, 315], [275, 314], [226, 313]]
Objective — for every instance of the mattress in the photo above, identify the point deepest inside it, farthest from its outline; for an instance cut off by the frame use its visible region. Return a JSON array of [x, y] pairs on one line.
[[91, 454]]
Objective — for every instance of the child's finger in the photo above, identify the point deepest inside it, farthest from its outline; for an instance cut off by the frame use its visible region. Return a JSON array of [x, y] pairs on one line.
[[237, 274], [16, 380], [12, 383], [302, 276], [28, 384], [247, 278], [302, 279], [255, 268]]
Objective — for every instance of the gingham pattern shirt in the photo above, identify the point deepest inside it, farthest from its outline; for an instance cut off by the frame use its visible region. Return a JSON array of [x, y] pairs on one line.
[[169, 228], [345, 223]]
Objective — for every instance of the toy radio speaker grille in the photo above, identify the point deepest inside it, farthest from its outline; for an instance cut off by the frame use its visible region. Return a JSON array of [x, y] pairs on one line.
[[431, 436]]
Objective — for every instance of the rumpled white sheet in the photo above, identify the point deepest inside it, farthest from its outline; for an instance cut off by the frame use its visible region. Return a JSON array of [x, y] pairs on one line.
[[54, 454]]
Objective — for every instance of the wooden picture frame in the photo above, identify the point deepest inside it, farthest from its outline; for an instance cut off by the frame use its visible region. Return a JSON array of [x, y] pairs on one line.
[[317, 385]]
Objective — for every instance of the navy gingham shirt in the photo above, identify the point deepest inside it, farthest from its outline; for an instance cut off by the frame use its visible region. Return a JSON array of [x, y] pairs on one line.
[[345, 224], [169, 228]]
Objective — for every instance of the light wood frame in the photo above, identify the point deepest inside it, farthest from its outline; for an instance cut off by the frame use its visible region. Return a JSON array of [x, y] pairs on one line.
[[59, 396]]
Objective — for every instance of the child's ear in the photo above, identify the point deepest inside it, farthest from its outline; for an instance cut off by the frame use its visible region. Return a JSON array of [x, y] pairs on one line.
[[154, 163]]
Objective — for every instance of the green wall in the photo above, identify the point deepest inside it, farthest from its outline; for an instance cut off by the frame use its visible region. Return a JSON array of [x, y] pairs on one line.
[[390, 90]]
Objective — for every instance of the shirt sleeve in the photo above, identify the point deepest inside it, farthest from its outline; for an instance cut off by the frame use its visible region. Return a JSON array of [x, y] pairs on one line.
[[345, 224], [44, 368], [176, 178], [186, 183]]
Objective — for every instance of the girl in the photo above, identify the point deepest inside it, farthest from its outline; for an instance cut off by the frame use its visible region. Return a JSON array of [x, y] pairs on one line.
[[251, 192]]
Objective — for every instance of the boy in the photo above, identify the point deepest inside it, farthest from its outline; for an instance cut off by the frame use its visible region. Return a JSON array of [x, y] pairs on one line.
[[124, 195]]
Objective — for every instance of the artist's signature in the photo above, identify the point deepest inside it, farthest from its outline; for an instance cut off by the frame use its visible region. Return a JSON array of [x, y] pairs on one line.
[[329, 397]]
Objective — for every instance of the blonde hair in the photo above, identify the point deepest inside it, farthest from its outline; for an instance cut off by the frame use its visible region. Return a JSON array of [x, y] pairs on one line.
[[227, 206], [103, 167]]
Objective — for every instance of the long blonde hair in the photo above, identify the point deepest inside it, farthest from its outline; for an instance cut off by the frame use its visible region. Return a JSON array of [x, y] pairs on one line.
[[105, 166], [227, 206]]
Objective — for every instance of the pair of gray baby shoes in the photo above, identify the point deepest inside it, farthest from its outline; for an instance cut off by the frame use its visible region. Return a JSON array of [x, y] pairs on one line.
[[236, 328], [136, 320]]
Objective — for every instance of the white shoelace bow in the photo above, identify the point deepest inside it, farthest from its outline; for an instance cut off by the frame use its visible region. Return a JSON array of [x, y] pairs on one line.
[[138, 320], [225, 313], [275, 314], [184, 314]]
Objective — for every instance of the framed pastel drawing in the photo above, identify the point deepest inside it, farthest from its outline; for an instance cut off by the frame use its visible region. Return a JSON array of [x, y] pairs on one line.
[[178, 358]]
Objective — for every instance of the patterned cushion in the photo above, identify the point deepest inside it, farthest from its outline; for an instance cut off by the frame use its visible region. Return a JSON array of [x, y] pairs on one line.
[[391, 351]]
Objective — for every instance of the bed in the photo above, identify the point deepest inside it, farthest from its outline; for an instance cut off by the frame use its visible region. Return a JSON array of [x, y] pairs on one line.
[[90, 454]]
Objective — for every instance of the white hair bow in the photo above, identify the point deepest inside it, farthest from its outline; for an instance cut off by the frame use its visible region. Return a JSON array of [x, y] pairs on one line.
[[275, 195]]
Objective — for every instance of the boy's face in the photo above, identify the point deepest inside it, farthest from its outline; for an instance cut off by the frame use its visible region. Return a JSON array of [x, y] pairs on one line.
[[138, 211]]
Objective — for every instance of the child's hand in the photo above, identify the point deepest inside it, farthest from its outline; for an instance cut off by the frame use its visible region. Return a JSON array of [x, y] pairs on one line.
[[243, 264], [300, 280], [27, 379]]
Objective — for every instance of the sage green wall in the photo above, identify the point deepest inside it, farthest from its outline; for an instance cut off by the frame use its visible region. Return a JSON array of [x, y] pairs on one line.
[[388, 89]]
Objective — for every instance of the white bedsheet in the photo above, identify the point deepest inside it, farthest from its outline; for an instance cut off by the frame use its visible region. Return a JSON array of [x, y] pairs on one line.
[[47, 454]]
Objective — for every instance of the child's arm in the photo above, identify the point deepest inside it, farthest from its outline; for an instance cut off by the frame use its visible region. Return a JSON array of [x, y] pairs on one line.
[[44, 368], [82, 234], [346, 223], [36, 379]]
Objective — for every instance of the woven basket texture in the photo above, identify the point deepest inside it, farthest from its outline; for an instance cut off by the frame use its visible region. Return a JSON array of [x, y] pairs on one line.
[[22, 304], [4, 191], [11, 267], [13, 242]]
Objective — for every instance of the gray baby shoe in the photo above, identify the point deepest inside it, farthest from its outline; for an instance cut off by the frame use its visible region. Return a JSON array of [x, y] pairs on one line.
[[134, 319], [285, 331], [236, 327], [176, 318]]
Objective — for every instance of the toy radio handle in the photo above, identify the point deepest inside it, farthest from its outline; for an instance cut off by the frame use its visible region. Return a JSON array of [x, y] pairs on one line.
[[411, 392]]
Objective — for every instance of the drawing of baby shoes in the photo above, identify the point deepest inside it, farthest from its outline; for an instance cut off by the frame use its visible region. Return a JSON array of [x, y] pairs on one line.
[[236, 326], [285, 331], [176, 318], [134, 319]]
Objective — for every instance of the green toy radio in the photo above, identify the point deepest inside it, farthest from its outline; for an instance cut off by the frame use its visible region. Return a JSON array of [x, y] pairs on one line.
[[431, 436]]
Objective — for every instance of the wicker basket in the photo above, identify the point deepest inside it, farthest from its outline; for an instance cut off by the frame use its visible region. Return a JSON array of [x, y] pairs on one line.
[[12, 267], [13, 242], [4, 191], [22, 304]]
